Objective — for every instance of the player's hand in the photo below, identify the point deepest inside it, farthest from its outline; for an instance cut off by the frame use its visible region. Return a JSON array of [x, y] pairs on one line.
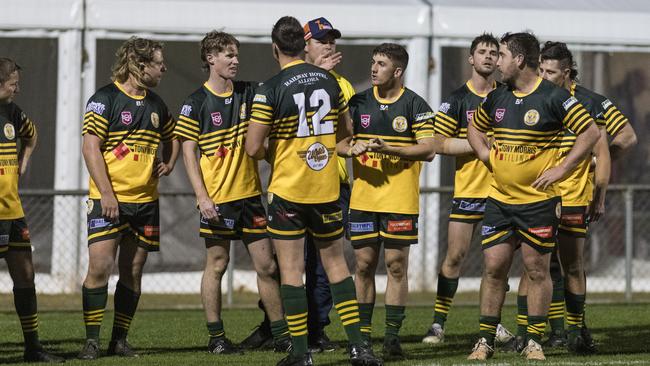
[[358, 148], [549, 177], [328, 61], [22, 165], [208, 212], [378, 145], [161, 169], [110, 207], [596, 208]]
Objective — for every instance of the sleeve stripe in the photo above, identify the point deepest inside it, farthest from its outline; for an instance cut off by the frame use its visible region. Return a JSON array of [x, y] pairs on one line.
[[345, 109], [188, 126], [444, 116], [180, 133], [449, 125], [481, 120], [613, 129], [187, 119], [263, 106], [443, 130], [582, 124], [577, 108]]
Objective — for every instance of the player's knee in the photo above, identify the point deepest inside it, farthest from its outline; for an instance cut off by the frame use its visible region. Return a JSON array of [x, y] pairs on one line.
[[217, 266], [454, 260], [365, 269], [495, 271], [396, 270], [267, 269], [537, 274], [575, 269], [100, 269]]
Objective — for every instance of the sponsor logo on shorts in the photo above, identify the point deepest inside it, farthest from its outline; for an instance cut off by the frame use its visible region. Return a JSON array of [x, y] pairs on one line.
[[229, 223], [216, 118], [362, 227], [487, 230], [531, 117], [186, 110], [259, 221], [98, 223], [316, 156], [569, 102], [444, 107], [365, 120], [332, 217], [573, 219], [400, 124], [126, 117], [150, 230], [90, 204], [542, 231], [472, 206], [499, 114], [399, 225], [24, 234], [96, 107], [4, 239]]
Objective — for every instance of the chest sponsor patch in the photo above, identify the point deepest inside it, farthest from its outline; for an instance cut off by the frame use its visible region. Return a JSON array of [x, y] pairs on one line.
[[573, 219], [121, 151], [399, 225], [531, 117], [155, 119], [98, 223], [362, 227], [332, 217], [499, 114], [542, 231], [126, 117], [400, 124], [316, 156], [10, 132], [216, 118], [365, 120]]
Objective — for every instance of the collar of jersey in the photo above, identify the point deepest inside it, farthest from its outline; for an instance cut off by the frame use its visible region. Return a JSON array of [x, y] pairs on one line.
[[572, 90], [386, 101], [222, 95], [521, 95], [471, 88], [136, 97], [293, 63]]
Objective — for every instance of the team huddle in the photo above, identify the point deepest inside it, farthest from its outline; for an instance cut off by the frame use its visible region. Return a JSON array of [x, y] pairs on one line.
[[533, 157]]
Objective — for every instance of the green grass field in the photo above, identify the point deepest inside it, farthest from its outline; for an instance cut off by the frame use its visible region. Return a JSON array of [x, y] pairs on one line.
[[178, 337]]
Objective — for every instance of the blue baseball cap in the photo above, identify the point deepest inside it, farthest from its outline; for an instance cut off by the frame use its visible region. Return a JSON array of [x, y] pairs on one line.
[[318, 28]]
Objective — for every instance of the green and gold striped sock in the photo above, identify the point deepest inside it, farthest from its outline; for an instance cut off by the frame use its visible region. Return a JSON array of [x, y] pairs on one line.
[[488, 328], [365, 314], [294, 300], [26, 307], [575, 311], [126, 303], [94, 303], [215, 329], [556, 311], [522, 315], [444, 297], [280, 330], [345, 302], [394, 317], [536, 327]]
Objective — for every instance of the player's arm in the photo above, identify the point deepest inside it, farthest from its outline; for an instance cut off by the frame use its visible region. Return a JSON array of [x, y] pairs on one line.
[[579, 121], [91, 150], [260, 124], [452, 146], [624, 140], [477, 135], [601, 177], [422, 151], [193, 169], [170, 149], [27, 146], [255, 137]]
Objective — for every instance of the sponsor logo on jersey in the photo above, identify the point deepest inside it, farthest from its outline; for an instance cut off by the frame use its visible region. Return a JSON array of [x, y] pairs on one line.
[[399, 225], [259, 221], [531, 117], [383, 107], [472, 206], [216, 118], [98, 223], [96, 107], [221, 152], [90, 204], [121, 151], [365, 120], [362, 227], [542, 231], [606, 104], [151, 230], [558, 210], [519, 101], [573, 219], [400, 124], [261, 98], [444, 107], [499, 114], [487, 230], [126, 117], [332, 217], [228, 101], [186, 110], [4, 240], [9, 131], [569, 102], [242, 111], [424, 116], [317, 156], [139, 103], [155, 119], [24, 234], [470, 116]]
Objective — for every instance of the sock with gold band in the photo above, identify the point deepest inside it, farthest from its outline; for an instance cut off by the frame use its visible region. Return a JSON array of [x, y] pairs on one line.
[[445, 295], [26, 307], [575, 310], [365, 314], [536, 327], [556, 310], [345, 302], [522, 315], [488, 328], [126, 303], [394, 317], [294, 300], [94, 305], [215, 329], [280, 330]]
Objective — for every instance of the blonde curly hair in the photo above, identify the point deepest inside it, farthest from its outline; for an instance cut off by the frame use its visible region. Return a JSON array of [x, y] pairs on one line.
[[130, 58]]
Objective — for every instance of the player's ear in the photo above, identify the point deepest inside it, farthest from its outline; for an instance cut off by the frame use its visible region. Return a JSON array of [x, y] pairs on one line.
[[398, 72], [470, 59], [276, 52]]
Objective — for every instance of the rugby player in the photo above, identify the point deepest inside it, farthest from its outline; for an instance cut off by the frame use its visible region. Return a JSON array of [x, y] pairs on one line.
[[214, 120], [123, 126], [472, 178], [528, 116], [397, 125], [303, 112], [15, 246]]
